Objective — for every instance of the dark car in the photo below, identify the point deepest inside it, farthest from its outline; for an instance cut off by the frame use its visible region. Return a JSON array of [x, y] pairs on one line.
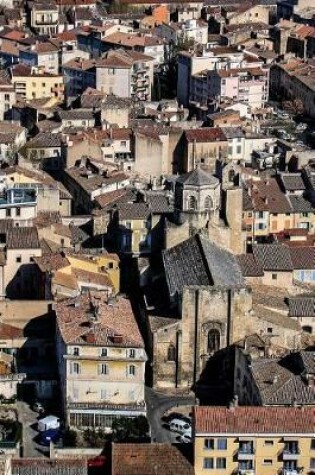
[[51, 435]]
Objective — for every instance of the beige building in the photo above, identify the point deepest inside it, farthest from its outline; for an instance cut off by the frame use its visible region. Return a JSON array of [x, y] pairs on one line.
[[125, 74], [44, 18], [19, 272], [101, 360], [154, 150], [200, 147], [33, 83], [254, 440]]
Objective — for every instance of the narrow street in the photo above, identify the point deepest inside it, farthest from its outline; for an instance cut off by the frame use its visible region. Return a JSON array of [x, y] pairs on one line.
[[29, 420], [157, 405]]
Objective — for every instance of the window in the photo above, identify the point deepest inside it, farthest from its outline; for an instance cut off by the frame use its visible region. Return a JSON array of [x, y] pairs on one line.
[[305, 215], [171, 353], [221, 463], [103, 368], [18, 259], [238, 149], [208, 202], [312, 463], [76, 351], [313, 444], [103, 351], [222, 444], [192, 203], [230, 150], [75, 368], [274, 276], [260, 214], [267, 462], [231, 175], [18, 211], [8, 212], [208, 462], [128, 224], [268, 443], [123, 143], [213, 340], [132, 353], [7, 97], [269, 330], [209, 444], [103, 394], [132, 370], [62, 241], [110, 265], [32, 259]]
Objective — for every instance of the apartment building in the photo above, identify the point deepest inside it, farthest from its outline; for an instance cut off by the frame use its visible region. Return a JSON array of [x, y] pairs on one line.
[[7, 99], [249, 85], [33, 83], [44, 55], [149, 45], [252, 440], [44, 18], [125, 74], [19, 204], [220, 57], [101, 360], [295, 79], [79, 74]]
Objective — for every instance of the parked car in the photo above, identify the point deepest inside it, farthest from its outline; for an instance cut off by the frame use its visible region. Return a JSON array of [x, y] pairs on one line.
[[176, 415], [38, 407], [51, 435], [177, 425]]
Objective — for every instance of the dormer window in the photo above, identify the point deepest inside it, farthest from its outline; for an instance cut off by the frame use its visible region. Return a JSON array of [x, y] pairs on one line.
[[76, 351]]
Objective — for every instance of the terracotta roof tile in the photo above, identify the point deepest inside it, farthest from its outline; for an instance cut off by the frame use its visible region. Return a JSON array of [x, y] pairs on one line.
[[133, 459], [205, 134], [250, 419], [93, 317]]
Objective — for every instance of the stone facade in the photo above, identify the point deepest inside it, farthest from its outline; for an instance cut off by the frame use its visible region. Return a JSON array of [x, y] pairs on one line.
[[211, 320]]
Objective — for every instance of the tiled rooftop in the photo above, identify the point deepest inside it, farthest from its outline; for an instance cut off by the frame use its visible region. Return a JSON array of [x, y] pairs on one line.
[[147, 459], [250, 419], [94, 319]]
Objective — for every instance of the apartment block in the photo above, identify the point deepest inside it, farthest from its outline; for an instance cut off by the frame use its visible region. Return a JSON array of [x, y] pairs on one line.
[[44, 18], [33, 83], [125, 74], [249, 85], [101, 360], [252, 440]]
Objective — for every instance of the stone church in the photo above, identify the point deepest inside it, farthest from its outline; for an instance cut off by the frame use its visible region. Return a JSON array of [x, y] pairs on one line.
[[206, 287]]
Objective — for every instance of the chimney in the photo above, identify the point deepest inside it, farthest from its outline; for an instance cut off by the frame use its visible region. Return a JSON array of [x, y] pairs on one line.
[[117, 339]]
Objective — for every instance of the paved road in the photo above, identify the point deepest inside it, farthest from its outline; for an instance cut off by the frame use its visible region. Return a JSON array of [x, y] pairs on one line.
[[29, 420], [157, 405]]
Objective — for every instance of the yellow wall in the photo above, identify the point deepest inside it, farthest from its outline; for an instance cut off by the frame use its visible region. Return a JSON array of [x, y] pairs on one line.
[[37, 87], [261, 452], [95, 266]]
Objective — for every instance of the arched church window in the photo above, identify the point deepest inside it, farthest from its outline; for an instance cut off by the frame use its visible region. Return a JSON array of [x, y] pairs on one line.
[[231, 175], [208, 202], [171, 353], [213, 340], [192, 203]]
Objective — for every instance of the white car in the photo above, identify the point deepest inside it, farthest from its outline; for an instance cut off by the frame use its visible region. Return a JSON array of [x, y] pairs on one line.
[[186, 438]]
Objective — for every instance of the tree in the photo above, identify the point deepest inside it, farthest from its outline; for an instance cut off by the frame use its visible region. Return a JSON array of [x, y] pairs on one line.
[[126, 428]]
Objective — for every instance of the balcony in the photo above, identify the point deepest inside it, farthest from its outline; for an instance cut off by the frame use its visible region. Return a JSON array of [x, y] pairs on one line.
[[245, 454], [288, 454], [245, 471], [289, 472]]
